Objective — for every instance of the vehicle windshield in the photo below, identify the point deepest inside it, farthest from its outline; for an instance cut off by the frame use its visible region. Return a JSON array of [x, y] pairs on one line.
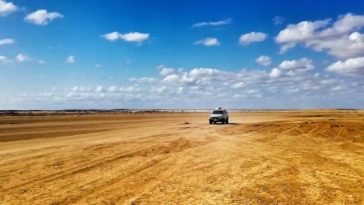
[[218, 112]]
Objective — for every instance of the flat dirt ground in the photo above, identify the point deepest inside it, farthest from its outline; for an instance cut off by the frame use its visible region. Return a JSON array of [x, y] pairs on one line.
[[291, 157]]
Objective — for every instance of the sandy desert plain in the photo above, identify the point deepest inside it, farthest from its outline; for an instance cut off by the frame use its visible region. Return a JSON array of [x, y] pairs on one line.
[[276, 157]]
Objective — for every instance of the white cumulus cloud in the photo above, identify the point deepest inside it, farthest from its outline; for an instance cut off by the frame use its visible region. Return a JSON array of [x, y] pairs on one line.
[[22, 57], [340, 38], [252, 37], [134, 37], [165, 71], [42, 17], [3, 59], [6, 41], [300, 32], [351, 66], [129, 37], [7, 7], [113, 36], [194, 88], [238, 85], [70, 60], [208, 42], [303, 64], [99, 89], [275, 73], [264, 60], [291, 68]]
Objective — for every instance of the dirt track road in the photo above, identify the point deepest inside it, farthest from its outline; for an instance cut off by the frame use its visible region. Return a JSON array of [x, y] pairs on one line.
[[260, 158]]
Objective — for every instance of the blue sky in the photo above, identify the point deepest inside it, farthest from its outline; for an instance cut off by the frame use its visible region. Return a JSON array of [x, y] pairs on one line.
[[181, 54]]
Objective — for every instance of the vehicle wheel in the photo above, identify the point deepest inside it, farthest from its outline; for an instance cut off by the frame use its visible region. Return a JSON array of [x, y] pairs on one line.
[[227, 121], [210, 122], [223, 122]]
